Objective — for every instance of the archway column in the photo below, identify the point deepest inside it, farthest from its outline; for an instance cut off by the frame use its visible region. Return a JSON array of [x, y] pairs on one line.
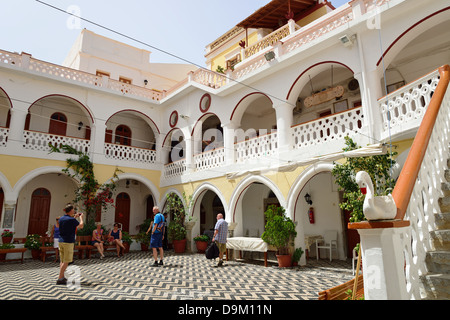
[[228, 137], [285, 118], [98, 140]]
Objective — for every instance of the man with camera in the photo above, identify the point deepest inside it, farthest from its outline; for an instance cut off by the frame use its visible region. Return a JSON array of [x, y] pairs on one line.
[[68, 225]]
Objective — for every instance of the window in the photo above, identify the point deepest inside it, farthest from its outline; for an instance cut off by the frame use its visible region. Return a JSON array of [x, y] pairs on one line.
[[125, 80], [102, 73]]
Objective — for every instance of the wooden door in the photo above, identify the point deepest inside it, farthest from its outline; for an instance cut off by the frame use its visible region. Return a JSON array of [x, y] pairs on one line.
[[123, 135], [58, 124], [2, 196], [39, 212], [150, 205], [122, 214]]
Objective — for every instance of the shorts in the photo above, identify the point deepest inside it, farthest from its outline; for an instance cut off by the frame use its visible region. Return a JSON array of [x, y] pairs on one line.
[[66, 252], [222, 247], [56, 243], [156, 240]]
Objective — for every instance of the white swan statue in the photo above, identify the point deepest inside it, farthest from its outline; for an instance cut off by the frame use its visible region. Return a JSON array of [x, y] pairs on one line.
[[375, 207]]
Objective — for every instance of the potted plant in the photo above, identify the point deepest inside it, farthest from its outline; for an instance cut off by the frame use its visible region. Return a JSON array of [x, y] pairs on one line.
[[279, 231], [296, 256], [33, 243], [5, 246], [7, 236], [144, 239], [201, 242], [126, 239], [176, 231]]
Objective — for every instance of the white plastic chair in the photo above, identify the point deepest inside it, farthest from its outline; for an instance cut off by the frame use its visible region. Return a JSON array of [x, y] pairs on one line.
[[329, 242]]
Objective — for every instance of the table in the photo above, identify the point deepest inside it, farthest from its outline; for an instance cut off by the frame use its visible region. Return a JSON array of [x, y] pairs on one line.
[[309, 240], [248, 244]]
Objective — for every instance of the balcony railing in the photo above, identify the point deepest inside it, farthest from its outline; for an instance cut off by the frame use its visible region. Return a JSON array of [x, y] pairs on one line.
[[404, 108], [39, 141], [333, 127], [265, 145], [174, 169], [3, 136], [128, 153], [209, 159]]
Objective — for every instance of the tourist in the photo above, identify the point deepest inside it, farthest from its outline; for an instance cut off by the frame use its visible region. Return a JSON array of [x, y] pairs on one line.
[[68, 224], [220, 236], [157, 236], [97, 240], [55, 236], [116, 235]]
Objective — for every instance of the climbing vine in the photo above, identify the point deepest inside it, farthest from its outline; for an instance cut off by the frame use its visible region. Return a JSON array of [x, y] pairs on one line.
[[378, 167], [92, 195]]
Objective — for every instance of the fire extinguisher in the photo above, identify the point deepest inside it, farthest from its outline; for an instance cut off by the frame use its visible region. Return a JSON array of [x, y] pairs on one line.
[[311, 215]]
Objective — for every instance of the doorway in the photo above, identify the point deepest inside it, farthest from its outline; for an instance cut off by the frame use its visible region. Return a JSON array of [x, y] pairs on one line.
[[39, 212], [122, 213]]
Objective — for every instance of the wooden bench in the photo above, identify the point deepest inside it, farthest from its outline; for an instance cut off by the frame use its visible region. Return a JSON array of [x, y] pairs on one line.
[[46, 250], [14, 250], [83, 244], [340, 292]]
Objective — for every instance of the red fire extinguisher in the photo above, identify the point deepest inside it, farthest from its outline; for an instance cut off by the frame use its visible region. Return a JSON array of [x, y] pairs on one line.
[[311, 215]]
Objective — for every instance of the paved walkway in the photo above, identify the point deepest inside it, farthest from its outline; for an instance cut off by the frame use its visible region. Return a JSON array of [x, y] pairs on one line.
[[183, 277]]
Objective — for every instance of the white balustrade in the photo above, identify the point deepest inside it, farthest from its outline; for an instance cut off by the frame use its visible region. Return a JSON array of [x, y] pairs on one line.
[[39, 141], [128, 153], [334, 127], [209, 78], [209, 159], [424, 201], [403, 109], [174, 169], [3, 136], [257, 147]]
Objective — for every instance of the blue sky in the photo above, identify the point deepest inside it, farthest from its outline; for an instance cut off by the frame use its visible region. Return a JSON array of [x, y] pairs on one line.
[[180, 27]]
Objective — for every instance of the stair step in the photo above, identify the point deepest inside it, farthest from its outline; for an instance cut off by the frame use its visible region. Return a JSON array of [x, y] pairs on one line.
[[444, 204], [442, 220], [437, 286], [446, 188], [441, 239], [438, 261]]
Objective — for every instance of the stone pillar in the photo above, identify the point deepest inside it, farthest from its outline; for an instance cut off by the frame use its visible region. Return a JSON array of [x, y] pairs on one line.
[[98, 139], [228, 142], [16, 128], [383, 261], [189, 225], [285, 118]]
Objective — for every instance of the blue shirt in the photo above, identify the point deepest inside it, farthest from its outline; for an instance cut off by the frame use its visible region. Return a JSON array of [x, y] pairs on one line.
[[222, 227], [159, 219], [67, 229]]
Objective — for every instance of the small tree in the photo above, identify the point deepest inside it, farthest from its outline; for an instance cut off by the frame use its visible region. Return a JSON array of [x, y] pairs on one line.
[[176, 229], [92, 195], [279, 229], [378, 167]]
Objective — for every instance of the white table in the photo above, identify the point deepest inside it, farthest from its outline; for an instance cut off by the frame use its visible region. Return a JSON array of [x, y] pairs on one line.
[[248, 244], [310, 239]]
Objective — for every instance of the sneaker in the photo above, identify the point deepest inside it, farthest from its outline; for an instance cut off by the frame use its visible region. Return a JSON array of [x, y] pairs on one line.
[[161, 262], [220, 263], [62, 281], [155, 264]]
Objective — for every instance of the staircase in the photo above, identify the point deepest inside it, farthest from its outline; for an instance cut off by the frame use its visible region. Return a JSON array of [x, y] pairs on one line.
[[437, 281]]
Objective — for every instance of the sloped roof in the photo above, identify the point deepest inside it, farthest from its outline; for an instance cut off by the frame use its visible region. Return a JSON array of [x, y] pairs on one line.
[[275, 11]]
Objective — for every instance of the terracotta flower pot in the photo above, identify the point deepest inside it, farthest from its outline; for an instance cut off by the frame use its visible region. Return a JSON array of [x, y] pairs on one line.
[[127, 247], [6, 239], [35, 253], [2, 256], [284, 260], [201, 246], [179, 246]]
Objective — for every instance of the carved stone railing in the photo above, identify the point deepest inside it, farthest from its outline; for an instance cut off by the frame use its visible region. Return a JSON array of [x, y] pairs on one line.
[[403, 109], [128, 153], [209, 159], [208, 78], [3, 136], [174, 169], [269, 40], [39, 141], [333, 127], [265, 145], [26, 62]]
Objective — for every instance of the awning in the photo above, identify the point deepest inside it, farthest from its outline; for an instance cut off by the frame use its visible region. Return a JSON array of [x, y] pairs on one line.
[[274, 14], [371, 150]]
